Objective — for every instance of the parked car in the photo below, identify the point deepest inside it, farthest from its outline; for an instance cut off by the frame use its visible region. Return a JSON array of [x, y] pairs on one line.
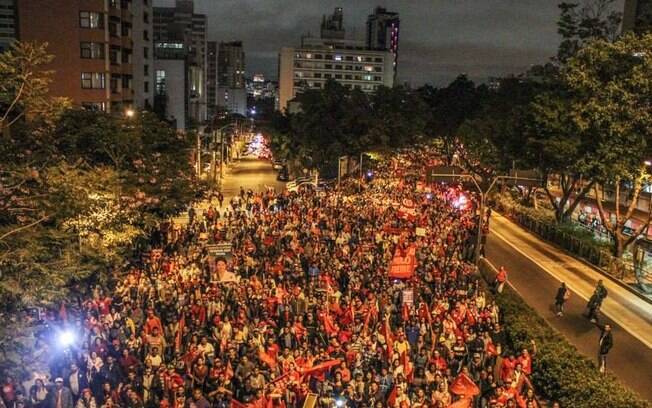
[[278, 164], [283, 174]]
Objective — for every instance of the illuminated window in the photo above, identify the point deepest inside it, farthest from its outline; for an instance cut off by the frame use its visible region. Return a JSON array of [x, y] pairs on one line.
[[338, 57]]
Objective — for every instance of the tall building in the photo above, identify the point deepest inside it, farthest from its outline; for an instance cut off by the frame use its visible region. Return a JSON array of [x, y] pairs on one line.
[[231, 92], [332, 27], [143, 54], [211, 78], [180, 34], [638, 16], [317, 60], [8, 23], [92, 43], [383, 33]]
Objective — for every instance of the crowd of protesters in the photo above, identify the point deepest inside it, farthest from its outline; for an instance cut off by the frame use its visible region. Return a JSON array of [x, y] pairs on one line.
[[314, 304]]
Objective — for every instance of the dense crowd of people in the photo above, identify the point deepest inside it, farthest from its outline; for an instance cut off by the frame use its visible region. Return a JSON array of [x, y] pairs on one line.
[[357, 296]]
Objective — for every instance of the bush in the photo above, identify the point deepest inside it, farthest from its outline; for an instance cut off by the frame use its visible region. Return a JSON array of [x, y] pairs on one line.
[[560, 372]]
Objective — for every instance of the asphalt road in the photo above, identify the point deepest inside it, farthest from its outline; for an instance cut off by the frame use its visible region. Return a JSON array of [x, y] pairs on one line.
[[250, 173], [630, 359]]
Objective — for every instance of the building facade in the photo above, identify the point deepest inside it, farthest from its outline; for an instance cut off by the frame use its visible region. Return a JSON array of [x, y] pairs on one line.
[[180, 33], [143, 54], [231, 92], [8, 23], [332, 57], [92, 43], [383, 28], [211, 78], [638, 16]]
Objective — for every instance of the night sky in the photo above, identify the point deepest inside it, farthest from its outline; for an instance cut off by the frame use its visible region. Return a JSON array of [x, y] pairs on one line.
[[439, 38]]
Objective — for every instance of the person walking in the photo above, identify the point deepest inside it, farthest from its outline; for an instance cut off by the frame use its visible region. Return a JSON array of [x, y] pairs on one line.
[[595, 302], [563, 294], [606, 343], [501, 278]]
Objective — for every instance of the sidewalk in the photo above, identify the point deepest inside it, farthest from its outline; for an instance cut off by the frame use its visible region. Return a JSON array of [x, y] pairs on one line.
[[536, 269]]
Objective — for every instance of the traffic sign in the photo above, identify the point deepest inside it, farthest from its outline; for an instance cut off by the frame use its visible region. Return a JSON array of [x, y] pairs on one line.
[[446, 174]]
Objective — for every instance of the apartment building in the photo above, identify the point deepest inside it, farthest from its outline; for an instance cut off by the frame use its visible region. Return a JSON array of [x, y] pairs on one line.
[[98, 72]]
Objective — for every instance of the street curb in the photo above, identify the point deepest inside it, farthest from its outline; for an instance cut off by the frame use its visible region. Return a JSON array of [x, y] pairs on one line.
[[585, 262]]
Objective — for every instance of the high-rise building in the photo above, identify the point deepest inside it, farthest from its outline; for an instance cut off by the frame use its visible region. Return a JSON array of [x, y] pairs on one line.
[[332, 27], [332, 57], [211, 77], [143, 54], [92, 43], [8, 23], [231, 92], [180, 33], [383, 33], [638, 16]]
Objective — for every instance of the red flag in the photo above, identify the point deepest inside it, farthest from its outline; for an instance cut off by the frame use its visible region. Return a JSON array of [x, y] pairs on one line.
[[237, 404], [406, 312], [228, 372], [267, 359], [177, 339], [462, 403], [387, 334], [63, 313], [463, 385], [329, 326], [391, 398], [408, 368], [322, 366], [365, 328]]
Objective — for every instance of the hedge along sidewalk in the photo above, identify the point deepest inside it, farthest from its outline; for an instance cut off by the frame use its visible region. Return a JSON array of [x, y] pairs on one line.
[[560, 372]]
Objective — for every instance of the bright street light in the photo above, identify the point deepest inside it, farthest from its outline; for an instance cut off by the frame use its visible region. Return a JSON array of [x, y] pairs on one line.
[[66, 338], [130, 113]]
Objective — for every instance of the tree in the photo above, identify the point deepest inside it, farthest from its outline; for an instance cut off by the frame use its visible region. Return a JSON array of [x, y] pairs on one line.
[[24, 85], [492, 142], [396, 117], [449, 108], [579, 24], [614, 105]]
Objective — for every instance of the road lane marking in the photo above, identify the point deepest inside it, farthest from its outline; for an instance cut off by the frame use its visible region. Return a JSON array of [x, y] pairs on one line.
[[618, 320]]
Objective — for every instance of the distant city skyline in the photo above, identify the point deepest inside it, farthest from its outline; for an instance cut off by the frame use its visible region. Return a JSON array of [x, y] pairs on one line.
[[439, 40]]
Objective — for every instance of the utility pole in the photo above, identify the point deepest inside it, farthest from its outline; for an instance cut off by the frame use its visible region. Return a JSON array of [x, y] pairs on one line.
[[198, 155], [221, 154], [214, 163]]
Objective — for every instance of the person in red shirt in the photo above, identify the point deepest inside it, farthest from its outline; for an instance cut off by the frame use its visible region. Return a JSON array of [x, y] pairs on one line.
[[501, 278], [152, 322]]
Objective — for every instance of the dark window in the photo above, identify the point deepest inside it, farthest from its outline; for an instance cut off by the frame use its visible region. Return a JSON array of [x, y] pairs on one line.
[[90, 19], [146, 86], [145, 17], [378, 69], [317, 74], [328, 66], [338, 67], [378, 59], [338, 76], [145, 35], [328, 76], [146, 52], [92, 50], [145, 69], [92, 80], [115, 79], [348, 77]]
